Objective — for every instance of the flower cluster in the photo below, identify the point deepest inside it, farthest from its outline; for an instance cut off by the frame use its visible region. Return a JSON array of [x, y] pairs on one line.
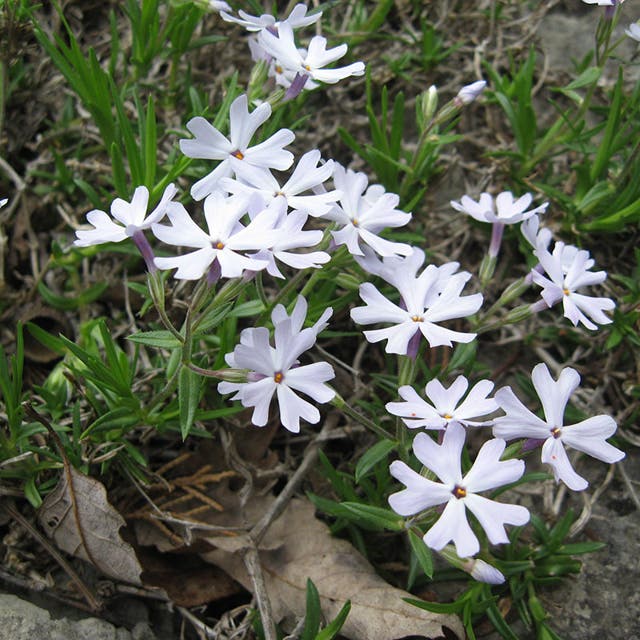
[[446, 412], [294, 67], [257, 198]]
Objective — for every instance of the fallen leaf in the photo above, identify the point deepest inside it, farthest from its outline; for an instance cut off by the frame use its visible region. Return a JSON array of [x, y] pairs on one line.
[[187, 581], [299, 546], [81, 522]]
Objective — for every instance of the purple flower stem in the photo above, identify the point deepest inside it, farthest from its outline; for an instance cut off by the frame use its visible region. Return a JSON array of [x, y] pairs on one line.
[[497, 231], [296, 87], [145, 249]]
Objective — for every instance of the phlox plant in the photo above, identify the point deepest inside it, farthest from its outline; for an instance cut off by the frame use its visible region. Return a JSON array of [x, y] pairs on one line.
[[265, 266]]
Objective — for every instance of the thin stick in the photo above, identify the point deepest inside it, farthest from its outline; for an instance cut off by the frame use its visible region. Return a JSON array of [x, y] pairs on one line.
[[252, 563], [92, 601]]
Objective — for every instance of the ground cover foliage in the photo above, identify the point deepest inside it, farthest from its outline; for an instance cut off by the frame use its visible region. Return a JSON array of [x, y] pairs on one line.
[[115, 375]]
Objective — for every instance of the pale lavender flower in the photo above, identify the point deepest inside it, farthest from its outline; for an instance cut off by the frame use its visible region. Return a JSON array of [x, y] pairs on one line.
[[397, 270], [446, 406], [306, 177], [470, 92], [291, 236], [458, 493], [609, 5], [127, 220], [297, 18], [275, 370], [234, 152], [283, 49], [538, 237], [588, 436], [221, 250], [428, 299], [363, 213], [633, 31], [3, 202], [502, 211], [567, 270], [219, 5]]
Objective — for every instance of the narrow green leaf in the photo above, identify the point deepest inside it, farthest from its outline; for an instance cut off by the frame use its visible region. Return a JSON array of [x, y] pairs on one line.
[[376, 516], [333, 628], [312, 614], [436, 607], [422, 553], [376, 453], [150, 144], [162, 339], [188, 399]]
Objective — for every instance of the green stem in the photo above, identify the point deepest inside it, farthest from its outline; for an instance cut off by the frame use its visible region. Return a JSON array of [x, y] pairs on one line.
[[156, 289], [339, 402], [166, 391]]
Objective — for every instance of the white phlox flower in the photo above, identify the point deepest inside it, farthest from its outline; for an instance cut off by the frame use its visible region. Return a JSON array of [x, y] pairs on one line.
[[458, 493], [3, 201], [588, 436], [504, 209], [234, 152], [538, 237], [446, 406], [604, 3], [290, 235], [633, 31], [567, 271], [364, 212], [297, 18], [282, 47], [225, 243], [397, 270], [306, 176], [219, 5], [275, 370], [427, 300], [126, 218]]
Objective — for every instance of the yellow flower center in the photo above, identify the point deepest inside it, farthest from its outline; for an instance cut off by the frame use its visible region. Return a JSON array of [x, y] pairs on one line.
[[417, 318], [555, 432], [238, 154], [459, 492], [278, 377]]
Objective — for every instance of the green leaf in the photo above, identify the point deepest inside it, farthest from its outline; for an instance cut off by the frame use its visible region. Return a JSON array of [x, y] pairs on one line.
[[188, 398], [587, 77], [65, 303], [422, 553], [162, 339], [436, 607], [376, 453], [312, 614], [150, 144], [376, 516], [332, 629], [578, 548]]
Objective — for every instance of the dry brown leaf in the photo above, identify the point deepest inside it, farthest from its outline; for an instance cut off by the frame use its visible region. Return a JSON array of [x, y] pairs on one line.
[[299, 546], [187, 581], [81, 522]]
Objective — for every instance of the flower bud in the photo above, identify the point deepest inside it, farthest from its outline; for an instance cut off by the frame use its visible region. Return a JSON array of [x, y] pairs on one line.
[[470, 92], [428, 104]]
